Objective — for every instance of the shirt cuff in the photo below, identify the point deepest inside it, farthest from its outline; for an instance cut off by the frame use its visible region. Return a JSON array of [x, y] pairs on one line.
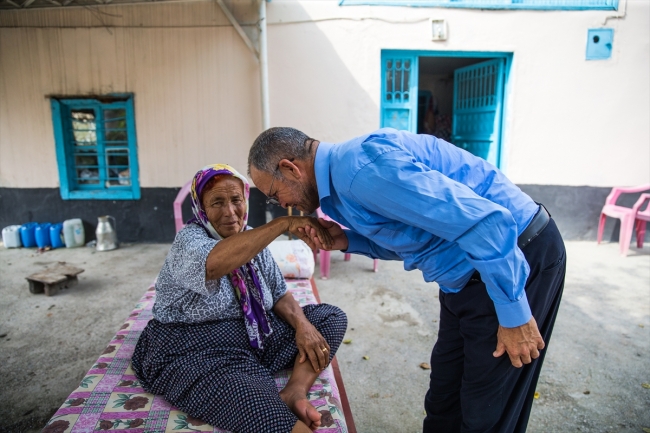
[[357, 244], [515, 313]]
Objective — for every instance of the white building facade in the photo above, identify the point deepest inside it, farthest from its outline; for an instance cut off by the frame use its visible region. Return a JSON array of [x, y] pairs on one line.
[[557, 94]]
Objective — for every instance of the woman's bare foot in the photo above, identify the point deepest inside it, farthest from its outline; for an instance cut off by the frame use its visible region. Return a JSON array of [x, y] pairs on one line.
[[303, 409]]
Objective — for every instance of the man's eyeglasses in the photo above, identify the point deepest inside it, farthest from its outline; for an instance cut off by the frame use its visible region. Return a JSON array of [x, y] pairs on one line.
[[270, 199]]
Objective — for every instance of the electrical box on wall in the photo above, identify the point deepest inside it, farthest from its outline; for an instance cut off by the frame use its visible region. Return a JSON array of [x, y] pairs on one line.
[[438, 30], [599, 44]]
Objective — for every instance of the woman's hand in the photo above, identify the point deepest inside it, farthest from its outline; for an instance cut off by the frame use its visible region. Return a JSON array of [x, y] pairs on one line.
[[313, 346], [308, 229], [339, 238]]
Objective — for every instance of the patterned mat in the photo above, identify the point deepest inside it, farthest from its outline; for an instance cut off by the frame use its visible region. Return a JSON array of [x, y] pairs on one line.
[[110, 397]]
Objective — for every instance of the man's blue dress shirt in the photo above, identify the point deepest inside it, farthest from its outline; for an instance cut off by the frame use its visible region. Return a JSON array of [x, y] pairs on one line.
[[438, 208]]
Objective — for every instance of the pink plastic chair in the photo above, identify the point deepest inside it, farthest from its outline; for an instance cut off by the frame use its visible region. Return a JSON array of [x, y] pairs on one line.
[[642, 218], [325, 256], [625, 214], [178, 203]]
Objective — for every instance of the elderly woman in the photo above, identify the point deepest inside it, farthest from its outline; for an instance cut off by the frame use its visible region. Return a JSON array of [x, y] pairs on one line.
[[224, 321]]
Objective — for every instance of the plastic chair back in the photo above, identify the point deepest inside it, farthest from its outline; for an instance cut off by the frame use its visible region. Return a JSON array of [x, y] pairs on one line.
[[178, 205]]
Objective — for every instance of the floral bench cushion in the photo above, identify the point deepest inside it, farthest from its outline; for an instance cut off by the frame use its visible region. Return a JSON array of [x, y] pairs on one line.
[[110, 397], [294, 258]]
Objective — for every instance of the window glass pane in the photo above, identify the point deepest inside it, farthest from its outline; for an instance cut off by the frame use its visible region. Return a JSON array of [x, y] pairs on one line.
[[389, 83], [84, 126], [87, 176], [117, 161], [115, 135], [83, 160], [115, 118], [118, 176], [114, 113], [117, 158]]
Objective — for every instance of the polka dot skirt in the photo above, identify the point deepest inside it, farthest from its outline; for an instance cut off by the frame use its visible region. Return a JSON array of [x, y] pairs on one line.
[[210, 371]]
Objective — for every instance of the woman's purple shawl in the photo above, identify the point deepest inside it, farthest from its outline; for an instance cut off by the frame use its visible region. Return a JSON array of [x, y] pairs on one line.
[[244, 279]]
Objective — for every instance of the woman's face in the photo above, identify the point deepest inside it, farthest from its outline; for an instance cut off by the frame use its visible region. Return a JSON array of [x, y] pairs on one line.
[[225, 205]]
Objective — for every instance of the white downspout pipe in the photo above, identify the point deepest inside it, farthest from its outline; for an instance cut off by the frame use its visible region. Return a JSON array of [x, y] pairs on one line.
[[264, 69]]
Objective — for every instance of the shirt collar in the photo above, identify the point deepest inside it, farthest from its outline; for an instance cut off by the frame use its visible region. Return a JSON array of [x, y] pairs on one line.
[[322, 169]]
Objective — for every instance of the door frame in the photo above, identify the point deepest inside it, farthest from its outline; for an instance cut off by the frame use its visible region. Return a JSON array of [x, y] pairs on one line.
[[505, 103]]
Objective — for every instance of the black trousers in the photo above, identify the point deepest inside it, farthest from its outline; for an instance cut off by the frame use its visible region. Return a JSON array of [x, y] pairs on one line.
[[471, 390]]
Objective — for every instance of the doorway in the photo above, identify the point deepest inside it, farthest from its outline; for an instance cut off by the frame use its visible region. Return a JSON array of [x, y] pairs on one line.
[[456, 96]]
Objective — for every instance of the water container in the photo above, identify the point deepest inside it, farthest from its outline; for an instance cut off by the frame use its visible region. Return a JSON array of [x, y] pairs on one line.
[[11, 237], [73, 233], [42, 235], [27, 234], [55, 235]]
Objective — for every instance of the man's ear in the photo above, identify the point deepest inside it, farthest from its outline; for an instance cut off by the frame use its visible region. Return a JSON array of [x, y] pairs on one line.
[[289, 169]]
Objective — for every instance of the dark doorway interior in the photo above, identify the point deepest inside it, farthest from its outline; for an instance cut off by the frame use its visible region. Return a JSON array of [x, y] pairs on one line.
[[436, 93]]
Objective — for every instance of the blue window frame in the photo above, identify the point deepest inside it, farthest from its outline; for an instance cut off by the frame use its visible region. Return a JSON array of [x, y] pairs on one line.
[[96, 148], [494, 4]]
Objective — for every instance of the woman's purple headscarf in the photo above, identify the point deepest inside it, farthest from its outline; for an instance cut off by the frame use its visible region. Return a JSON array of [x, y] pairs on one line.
[[251, 300]]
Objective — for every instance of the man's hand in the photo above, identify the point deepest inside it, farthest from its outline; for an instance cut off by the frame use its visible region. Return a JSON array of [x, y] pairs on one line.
[[339, 238], [522, 343], [313, 346], [318, 237]]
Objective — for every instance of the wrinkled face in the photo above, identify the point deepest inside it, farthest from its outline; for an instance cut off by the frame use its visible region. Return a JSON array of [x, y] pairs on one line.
[[288, 189], [225, 205]]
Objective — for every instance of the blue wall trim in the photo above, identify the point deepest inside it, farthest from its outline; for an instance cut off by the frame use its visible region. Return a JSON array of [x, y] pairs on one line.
[[576, 5], [441, 53]]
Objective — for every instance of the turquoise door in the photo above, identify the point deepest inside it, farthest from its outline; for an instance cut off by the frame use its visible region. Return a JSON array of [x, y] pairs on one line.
[[399, 91], [478, 106]]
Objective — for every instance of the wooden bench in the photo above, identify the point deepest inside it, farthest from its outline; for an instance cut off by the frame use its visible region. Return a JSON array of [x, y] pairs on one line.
[[51, 280]]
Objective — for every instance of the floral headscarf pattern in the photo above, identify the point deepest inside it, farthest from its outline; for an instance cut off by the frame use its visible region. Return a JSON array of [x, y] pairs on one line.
[[251, 301]]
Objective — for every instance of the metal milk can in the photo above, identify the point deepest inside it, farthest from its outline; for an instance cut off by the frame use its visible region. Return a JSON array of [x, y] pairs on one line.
[[105, 233]]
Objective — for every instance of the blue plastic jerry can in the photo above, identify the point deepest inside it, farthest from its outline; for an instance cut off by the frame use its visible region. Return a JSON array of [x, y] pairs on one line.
[[55, 235], [27, 235]]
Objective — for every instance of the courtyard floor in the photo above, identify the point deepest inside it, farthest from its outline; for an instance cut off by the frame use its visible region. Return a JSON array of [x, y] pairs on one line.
[[592, 380]]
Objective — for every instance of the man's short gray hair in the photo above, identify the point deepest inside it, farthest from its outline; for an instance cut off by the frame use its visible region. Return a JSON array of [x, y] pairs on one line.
[[276, 144]]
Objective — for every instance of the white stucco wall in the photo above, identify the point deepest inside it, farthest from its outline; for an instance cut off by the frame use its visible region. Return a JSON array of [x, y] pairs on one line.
[[569, 121]]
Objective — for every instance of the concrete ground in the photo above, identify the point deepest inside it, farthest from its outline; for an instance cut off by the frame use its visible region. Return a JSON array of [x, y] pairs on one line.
[[597, 361]]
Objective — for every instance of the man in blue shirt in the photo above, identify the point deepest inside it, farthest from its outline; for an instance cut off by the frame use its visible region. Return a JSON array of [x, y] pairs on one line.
[[497, 255]]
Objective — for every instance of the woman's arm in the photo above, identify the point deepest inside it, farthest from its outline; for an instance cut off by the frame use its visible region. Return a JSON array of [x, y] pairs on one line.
[[310, 342], [240, 248]]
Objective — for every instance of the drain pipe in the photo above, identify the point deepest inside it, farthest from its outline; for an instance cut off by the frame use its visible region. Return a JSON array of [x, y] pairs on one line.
[[264, 69]]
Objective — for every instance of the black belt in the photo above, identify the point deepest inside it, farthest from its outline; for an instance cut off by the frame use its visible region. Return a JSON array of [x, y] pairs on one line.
[[536, 226]]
